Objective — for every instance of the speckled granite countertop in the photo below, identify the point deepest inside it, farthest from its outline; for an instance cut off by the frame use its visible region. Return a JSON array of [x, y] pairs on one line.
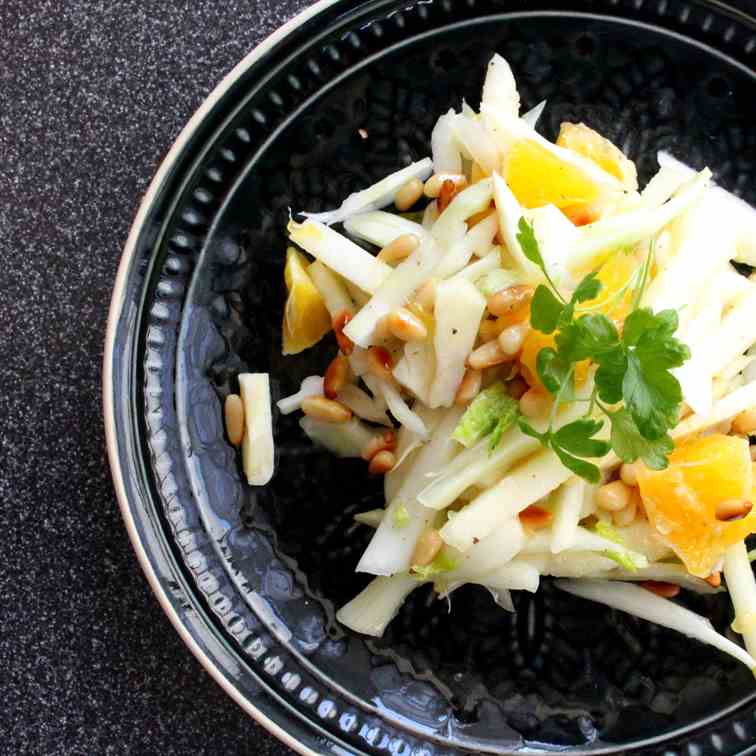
[[92, 94]]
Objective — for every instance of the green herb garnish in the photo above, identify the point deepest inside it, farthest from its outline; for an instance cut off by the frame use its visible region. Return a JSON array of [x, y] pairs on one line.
[[492, 412], [633, 385]]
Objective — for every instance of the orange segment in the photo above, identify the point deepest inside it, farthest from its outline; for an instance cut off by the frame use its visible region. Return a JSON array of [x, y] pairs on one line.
[[681, 500], [538, 177], [589, 143], [616, 275], [306, 319]]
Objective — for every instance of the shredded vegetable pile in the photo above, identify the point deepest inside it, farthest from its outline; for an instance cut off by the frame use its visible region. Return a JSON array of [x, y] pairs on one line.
[[551, 369]]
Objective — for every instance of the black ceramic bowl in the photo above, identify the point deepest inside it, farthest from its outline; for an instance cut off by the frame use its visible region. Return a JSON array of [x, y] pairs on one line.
[[250, 577]]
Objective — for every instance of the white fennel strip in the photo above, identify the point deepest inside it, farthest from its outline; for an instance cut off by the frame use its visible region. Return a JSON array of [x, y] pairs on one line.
[[533, 115], [648, 606], [391, 547], [310, 386], [742, 588], [381, 228], [340, 254], [371, 610], [258, 453], [335, 294], [376, 196], [444, 146], [567, 512]]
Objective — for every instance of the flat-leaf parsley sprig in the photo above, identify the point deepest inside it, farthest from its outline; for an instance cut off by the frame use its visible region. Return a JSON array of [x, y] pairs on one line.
[[633, 385]]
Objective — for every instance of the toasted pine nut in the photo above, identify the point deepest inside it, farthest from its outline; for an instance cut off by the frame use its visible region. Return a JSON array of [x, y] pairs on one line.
[[517, 387], [436, 181], [446, 195], [732, 509], [326, 410], [715, 579], [512, 338], [408, 195], [487, 355], [426, 548], [381, 332], [489, 329], [534, 403], [613, 496], [535, 517], [469, 387], [745, 422], [629, 474], [380, 363], [406, 326], [385, 441], [625, 516], [338, 323], [665, 590], [335, 376], [381, 463], [233, 411], [510, 299], [425, 296], [399, 249]]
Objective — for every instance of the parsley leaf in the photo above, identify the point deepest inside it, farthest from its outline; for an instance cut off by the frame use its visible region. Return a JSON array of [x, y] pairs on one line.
[[587, 337], [529, 244], [576, 438], [629, 444], [612, 366], [545, 309], [633, 370], [589, 288], [552, 369], [586, 470]]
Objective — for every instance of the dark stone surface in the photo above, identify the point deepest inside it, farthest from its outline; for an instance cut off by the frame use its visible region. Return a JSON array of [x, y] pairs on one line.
[[92, 94]]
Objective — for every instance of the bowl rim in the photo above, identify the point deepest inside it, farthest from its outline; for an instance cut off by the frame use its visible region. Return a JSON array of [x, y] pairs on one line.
[[116, 312], [108, 404]]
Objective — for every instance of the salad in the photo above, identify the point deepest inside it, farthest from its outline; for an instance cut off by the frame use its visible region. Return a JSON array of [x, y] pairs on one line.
[[552, 370]]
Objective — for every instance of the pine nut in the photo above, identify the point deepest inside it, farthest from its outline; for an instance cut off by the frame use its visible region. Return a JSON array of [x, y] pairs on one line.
[[534, 403], [629, 474], [715, 579], [745, 423], [399, 249], [408, 195], [665, 590], [626, 516], [379, 363], [535, 517], [336, 375], [613, 496], [326, 410], [487, 355], [732, 509], [517, 387], [489, 329], [426, 548], [446, 195], [512, 338], [753, 453], [425, 296], [385, 441], [469, 387], [433, 185], [406, 326], [382, 463], [233, 411], [506, 301], [338, 323]]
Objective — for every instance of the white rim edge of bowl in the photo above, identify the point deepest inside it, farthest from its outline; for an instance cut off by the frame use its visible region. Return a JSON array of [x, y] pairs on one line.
[[107, 377]]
